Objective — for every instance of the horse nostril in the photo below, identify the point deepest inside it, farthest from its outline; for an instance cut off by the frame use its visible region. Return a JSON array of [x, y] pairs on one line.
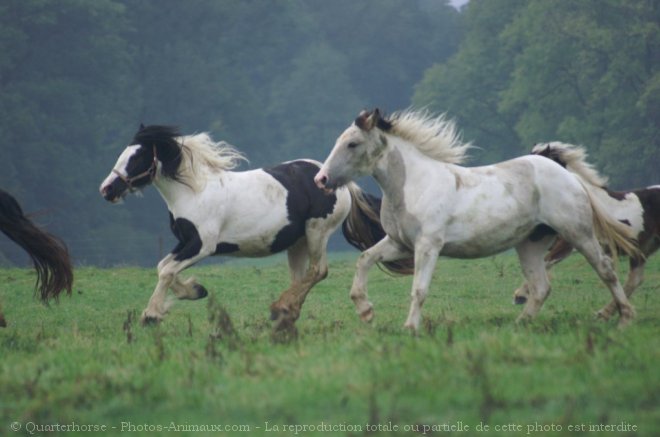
[[320, 180], [107, 191]]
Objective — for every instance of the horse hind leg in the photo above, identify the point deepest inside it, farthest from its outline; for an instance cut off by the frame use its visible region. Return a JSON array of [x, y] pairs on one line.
[[286, 310], [531, 256], [635, 279], [604, 267], [559, 251]]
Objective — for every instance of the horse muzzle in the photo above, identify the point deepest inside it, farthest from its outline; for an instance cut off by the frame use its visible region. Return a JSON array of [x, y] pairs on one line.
[[323, 182], [113, 191]]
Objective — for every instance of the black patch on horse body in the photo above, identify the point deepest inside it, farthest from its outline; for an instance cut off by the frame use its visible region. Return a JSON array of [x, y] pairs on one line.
[[541, 231], [304, 200], [224, 248], [649, 239], [189, 241]]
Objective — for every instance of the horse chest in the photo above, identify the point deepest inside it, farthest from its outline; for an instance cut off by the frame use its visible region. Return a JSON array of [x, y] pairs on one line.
[[399, 224]]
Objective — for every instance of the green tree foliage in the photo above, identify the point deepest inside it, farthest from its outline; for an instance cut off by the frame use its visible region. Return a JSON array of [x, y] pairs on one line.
[[580, 71]]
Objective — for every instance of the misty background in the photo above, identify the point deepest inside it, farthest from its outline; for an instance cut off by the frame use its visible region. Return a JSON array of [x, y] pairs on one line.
[[281, 79]]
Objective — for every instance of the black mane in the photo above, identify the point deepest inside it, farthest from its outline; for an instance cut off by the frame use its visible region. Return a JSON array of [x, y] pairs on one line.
[[162, 139]]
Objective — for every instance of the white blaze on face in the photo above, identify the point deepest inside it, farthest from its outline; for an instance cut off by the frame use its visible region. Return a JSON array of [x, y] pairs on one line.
[[120, 166]]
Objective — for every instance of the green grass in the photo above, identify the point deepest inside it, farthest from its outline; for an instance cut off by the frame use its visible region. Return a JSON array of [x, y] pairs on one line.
[[88, 361]]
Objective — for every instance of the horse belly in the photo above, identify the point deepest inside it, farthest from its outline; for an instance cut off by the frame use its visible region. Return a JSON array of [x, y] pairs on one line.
[[492, 217], [486, 242]]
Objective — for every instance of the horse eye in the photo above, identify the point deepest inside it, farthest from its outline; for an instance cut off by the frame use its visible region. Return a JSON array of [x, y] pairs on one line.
[[352, 145]]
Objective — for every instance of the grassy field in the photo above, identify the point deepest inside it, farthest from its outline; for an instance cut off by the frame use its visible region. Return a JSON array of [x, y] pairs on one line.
[[86, 364]]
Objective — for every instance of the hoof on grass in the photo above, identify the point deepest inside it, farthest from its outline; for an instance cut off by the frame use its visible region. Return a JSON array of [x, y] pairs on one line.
[[368, 315], [146, 320], [284, 331], [202, 292], [519, 300]]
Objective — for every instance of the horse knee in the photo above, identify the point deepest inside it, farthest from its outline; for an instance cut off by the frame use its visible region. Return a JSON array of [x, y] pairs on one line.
[[166, 275]]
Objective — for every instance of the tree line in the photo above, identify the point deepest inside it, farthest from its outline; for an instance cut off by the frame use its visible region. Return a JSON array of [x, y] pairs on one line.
[[281, 79]]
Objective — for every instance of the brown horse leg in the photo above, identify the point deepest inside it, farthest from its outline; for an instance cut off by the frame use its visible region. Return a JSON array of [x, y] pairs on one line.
[[286, 310]]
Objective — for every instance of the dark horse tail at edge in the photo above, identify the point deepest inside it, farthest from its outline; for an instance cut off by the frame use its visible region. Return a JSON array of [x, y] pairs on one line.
[[49, 254]]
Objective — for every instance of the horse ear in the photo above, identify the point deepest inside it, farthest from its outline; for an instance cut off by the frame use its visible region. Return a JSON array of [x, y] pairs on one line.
[[372, 120], [361, 120], [141, 127], [380, 122]]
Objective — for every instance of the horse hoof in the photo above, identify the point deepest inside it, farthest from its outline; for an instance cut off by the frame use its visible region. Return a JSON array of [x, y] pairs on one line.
[[410, 327], [603, 315], [146, 320], [278, 313], [284, 332], [202, 292], [367, 316], [524, 320], [519, 300]]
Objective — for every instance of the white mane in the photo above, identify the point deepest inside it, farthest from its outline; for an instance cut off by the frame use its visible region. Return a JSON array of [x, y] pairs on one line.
[[575, 159], [434, 136], [201, 155]]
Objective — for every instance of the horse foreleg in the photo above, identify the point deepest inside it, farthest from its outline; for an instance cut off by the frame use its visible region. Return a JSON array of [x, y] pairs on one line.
[[384, 250], [635, 279], [426, 257], [3, 322], [168, 269], [188, 289]]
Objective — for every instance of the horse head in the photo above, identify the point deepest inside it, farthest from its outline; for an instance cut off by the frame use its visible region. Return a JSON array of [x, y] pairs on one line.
[[153, 150], [355, 152]]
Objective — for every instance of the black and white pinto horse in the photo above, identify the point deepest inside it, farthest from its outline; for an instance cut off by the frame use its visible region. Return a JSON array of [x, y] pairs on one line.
[[256, 213], [639, 209], [432, 206], [48, 253]]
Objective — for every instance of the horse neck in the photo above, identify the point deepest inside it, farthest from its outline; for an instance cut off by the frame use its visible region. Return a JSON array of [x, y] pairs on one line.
[[174, 192], [399, 159]]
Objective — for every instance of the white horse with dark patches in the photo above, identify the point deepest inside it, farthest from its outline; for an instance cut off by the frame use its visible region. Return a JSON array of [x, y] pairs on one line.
[[639, 209], [432, 206], [216, 211]]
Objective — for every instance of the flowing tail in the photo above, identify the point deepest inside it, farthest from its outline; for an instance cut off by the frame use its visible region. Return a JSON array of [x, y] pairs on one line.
[[48, 253], [362, 228], [615, 235]]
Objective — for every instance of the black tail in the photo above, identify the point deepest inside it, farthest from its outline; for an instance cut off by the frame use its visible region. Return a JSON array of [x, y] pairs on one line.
[[48, 253], [362, 228]]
